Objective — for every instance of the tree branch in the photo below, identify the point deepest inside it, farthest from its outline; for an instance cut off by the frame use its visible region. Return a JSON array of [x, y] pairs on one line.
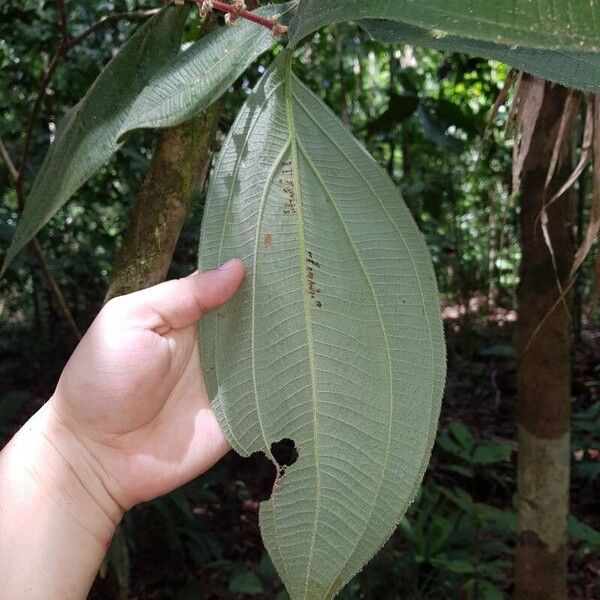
[[12, 170], [64, 47], [104, 21], [42, 91], [61, 303], [17, 175], [238, 9], [62, 21]]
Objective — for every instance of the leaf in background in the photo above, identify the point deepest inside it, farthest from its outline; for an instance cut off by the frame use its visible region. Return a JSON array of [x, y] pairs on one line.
[[564, 25], [194, 79], [334, 340], [581, 532], [246, 583], [436, 131], [575, 69], [87, 135], [400, 108], [489, 454]]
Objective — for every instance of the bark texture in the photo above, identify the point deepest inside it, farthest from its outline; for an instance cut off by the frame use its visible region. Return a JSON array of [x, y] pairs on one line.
[[180, 163], [544, 376]]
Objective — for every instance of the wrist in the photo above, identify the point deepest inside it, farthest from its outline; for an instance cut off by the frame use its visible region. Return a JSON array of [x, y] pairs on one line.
[[52, 464]]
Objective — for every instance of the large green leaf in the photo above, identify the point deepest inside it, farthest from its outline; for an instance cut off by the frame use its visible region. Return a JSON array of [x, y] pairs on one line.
[[579, 70], [562, 24], [197, 77], [335, 339]]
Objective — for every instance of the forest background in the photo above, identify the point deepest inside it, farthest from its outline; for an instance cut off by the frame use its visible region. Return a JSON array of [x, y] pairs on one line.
[[433, 120]]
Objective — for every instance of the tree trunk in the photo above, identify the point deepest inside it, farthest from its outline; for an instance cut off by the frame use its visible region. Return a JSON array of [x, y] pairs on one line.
[[180, 163], [544, 378]]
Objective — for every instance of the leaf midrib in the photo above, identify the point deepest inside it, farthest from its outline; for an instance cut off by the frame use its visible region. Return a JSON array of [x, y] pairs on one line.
[[307, 319]]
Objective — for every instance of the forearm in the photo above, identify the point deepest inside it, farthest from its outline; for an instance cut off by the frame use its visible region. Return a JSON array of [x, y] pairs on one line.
[[56, 519]]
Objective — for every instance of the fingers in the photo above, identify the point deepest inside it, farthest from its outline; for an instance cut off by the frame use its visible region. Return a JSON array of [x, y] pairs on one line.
[[180, 303]]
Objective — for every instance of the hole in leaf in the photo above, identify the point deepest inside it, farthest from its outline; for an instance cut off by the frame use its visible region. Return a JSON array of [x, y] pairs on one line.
[[284, 452]]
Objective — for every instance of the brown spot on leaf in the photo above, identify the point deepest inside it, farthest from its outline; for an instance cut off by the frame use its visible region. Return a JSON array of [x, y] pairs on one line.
[[311, 267], [268, 240]]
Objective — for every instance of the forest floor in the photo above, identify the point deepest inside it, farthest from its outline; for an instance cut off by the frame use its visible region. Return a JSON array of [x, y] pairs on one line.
[[204, 542]]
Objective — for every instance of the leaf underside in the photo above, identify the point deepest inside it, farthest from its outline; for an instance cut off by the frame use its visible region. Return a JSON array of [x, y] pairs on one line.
[[564, 24], [334, 340], [579, 70], [201, 74]]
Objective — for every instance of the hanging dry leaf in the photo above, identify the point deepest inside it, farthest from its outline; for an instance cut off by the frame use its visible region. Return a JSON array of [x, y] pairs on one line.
[[594, 226]]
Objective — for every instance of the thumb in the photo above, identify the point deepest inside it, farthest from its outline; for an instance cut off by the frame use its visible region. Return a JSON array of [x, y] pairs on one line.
[[180, 303]]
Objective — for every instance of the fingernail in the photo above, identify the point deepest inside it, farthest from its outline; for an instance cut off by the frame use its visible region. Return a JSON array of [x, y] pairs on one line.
[[228, 265]]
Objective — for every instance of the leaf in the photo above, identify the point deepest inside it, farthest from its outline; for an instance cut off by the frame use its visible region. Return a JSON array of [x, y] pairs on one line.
[[489, 591], [462, 435], [581, 532], [461, 567], [246, 583], [564, 25], [499, 351], [267, 568], [334, 340], [436, 132], [574, 68], [464, 471], [488, 454], [192, 81], [400, 108], [87, 135]]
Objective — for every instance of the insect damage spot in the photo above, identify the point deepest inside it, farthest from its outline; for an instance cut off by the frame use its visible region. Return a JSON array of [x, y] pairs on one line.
[[268, 240], [287, 183], [311, 266], [285, 454]]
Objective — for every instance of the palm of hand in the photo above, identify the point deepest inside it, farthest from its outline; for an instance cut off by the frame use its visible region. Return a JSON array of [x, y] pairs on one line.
[[133, 392]]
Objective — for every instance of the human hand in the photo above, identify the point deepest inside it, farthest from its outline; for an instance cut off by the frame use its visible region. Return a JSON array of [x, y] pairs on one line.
[[132, 397], [130, 420]]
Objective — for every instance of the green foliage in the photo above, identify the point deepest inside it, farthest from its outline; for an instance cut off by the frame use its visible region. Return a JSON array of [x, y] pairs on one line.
[[141, 87], [458, 441], [301, 354], [87, 134], [320, 327], [246, 583], [586, 433], [568, 25], [193, 80], [575, 69]]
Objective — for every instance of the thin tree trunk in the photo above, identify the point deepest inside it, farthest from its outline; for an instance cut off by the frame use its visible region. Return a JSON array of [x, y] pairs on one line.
[[492, 224], [544, 377], [180, 163]]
